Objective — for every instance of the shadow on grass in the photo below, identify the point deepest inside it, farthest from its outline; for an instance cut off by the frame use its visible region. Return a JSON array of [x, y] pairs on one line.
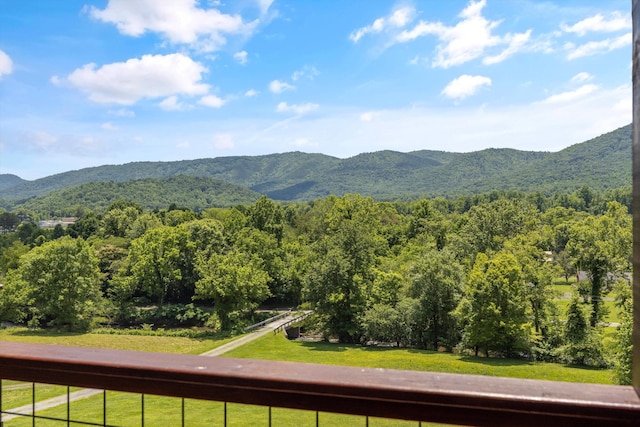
[[494, 361], [584, 368], [326, 346], [177, 333], [45, 333]]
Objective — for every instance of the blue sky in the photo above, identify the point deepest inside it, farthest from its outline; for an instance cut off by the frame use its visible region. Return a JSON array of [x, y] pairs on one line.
[[92, 82]]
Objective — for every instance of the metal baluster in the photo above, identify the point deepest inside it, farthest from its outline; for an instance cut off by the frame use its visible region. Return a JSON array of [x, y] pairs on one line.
[[142, 407], [225, 414], [104, 407], [269, 416], [183, 412], [33, 404], [68, 406], [317, 419]]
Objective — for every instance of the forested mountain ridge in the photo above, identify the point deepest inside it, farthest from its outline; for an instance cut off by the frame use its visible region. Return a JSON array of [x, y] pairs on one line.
[[600, 163], [8, 181], [195, 193]]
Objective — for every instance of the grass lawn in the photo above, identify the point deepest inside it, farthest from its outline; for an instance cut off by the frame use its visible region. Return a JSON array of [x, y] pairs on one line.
[[16, 395], [562, 289], [158, 344], [125, 408], [277, 347]]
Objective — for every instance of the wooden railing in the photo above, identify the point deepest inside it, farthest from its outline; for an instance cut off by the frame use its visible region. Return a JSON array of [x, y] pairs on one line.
[[408, 395]]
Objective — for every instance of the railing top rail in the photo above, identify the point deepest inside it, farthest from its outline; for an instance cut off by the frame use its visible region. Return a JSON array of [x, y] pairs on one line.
[[426, 396]]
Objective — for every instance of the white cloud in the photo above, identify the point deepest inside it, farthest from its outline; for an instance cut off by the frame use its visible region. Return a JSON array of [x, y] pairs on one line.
[[516, 43], [569, 96], [241, 57], [615, 22], [307, 71], [277, 86], [152, 76], [468, 39], [535, 126], [464, 86], [581, 77], [223, 141], [598, 47], [303, 143], [122, 112], [251, 92], [397, 19], [6, 64], [298, 109], [55, 80], [366, 116], [41, 140], [171, 103], [109, 126], [212, 101], [178, 21], [264, 5]]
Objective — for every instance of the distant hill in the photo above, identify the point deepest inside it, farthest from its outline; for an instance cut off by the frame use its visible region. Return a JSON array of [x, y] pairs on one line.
[[195, 193], [8, 181], [601, 163]]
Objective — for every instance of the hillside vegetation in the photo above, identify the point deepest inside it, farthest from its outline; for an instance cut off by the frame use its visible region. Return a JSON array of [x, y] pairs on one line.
[[195, 193], [601, 163]]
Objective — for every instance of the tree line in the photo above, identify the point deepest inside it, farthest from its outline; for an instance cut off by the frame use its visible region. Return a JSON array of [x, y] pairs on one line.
[[474, 274]]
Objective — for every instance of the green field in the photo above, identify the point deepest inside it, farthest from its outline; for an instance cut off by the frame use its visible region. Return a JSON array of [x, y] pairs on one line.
[[153, 343], [125, 408], [277, 347]]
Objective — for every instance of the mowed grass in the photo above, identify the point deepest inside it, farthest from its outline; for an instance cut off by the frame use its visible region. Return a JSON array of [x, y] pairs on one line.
[[277, 347], [18, 395], [124, 409], [156, 344]]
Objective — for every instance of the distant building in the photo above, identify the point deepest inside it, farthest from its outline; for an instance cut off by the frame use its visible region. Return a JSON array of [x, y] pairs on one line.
[[51, 223]]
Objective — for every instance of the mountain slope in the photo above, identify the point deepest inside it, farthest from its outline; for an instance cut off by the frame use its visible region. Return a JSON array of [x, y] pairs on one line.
[[601, 163], [195, 193], [8, 181]]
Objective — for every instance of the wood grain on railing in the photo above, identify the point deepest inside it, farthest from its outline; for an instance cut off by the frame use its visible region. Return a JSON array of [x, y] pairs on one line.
[[410, 395]]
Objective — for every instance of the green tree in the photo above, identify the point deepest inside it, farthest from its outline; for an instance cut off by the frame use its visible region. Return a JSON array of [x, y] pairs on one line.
[[489, 225], [235, 282], [8, 222], [436, 283], [62, 280], [117, 221], [10, 257], [267, 216], [386, 323], [538, 273], [583, 345], [493, 311], [602, 245], [340, 274], [624, 332], [158, 265]]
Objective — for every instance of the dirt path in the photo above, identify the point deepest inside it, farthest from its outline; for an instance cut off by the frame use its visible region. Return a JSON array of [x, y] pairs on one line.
[[85, 393]]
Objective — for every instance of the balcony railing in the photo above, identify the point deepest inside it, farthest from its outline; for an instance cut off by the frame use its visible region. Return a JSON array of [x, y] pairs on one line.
[[384, 393]]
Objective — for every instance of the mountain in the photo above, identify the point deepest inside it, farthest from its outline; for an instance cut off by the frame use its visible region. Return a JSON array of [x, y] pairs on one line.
[[601, 163], [195, 193], [8, 181]]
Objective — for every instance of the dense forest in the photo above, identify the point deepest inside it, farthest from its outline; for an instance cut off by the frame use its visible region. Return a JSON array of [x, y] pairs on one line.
[[474, 274], [602, 163]]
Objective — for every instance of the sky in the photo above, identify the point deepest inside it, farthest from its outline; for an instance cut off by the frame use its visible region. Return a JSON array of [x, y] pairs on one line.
[[91, 82]]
